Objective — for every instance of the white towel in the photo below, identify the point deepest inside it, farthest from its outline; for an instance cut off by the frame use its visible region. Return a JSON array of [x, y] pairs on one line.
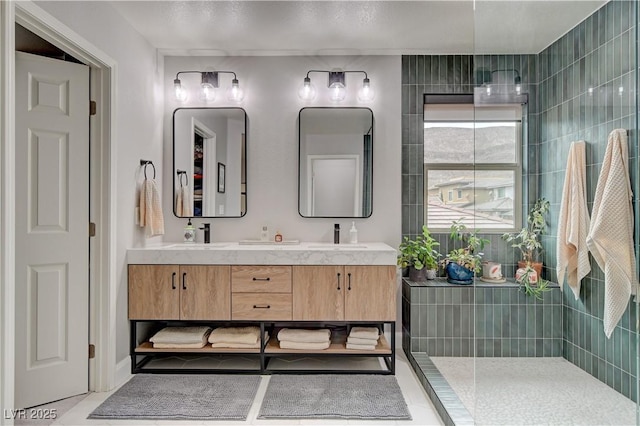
[[361, 341], [181, 335], [151, 209], [573, 223], [610, 238], [364, 332], [245, 335], [360, 347], [184, 206], [255, 345], [285, 344], [179, 345], [320, 335]]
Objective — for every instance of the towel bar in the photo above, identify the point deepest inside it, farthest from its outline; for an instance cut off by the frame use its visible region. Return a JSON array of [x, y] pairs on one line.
[[145, 163]]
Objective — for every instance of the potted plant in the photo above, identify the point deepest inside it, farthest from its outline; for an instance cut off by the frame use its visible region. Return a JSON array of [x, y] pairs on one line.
[[420, 256], [462, 263], [528, 239], [531, 282]]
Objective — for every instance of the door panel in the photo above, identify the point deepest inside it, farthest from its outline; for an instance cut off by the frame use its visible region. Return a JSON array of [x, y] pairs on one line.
[[154, 292], [370, 293], [318, 293], [52, 241], [205, 292]]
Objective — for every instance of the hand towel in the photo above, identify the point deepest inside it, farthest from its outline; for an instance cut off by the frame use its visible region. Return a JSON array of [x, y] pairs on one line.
[[181, 335], [364, 332], [245, 335], [573, 223], [361, 341], [610, 238], [319, 335], [151, 209], [184, 206], [179, 345], [255, 345], [284, 344], [360, 347]]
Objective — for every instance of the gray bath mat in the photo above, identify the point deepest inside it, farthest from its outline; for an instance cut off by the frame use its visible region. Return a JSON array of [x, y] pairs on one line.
[[329, 396], [181, 397]]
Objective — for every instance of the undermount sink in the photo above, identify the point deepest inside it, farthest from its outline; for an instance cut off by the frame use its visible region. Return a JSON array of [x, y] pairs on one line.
[[329, 246], [197, 246]]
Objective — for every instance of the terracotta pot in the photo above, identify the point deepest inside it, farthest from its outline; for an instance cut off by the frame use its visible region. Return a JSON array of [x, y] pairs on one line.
[[417, 274], [537, 266]]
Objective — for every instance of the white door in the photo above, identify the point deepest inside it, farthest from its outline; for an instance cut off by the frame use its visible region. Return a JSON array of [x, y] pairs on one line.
[[52, 237], [334, 187]]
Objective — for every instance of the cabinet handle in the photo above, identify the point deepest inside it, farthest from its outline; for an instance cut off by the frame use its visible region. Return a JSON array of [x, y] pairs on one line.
[[349, 276], [184, 279], [173, 281], [338, 280], [261, 307], [262, 279]]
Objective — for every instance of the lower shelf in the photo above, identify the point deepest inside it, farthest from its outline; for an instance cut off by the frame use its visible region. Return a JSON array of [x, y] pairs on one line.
[[147, 347], [336, 348]]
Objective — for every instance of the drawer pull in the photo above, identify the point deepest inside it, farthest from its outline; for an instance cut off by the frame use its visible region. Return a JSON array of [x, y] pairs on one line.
[[262, 279], [173, 281], [338, 280], [261, 306], [184, 279], [349, 275]]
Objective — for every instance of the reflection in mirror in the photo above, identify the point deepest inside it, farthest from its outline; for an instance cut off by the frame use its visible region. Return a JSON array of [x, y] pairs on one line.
[[336, 162], [209, 162]]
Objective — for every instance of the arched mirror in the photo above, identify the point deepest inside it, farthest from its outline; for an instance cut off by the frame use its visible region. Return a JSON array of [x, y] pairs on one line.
[[209, 162], [335, 162]]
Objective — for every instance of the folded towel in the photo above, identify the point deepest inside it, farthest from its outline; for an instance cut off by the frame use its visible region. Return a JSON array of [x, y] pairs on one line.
[[610, 238], [364, 332], [284, 344], [361, 341], [241, 345], [151, 209], [360, 347], [184, 206], [573, 223], [181, 335], [246, 335], [179, 345], [319, 335]]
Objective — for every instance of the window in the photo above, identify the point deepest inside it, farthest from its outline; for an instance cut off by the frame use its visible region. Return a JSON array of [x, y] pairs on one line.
[[473, 153]]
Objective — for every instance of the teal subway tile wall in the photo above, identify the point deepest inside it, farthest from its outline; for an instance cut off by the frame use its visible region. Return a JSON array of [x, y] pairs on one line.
[[574, 94]]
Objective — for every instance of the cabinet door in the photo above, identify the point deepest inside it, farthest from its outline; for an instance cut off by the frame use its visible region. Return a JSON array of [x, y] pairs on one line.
[[318, 293], [205, 292], [370, 293], [154, 292]]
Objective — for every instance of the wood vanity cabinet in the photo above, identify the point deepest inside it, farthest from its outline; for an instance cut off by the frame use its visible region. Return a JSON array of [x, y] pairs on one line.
[[344, 293], [179, 292], [261, 292]]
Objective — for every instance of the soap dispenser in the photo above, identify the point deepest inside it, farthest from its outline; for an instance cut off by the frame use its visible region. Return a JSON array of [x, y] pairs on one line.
[[353, 233], [189, 233]]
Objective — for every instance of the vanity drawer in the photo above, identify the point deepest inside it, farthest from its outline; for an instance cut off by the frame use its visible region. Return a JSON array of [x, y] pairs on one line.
[[260, 279], [261, 306]]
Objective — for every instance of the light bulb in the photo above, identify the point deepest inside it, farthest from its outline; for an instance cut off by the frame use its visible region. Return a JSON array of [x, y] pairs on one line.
[[337, 92], [307, 91], [235, 93], [181, 92], [208, 93], [518, 89], [518, 81], [488, 90], [366, 93]]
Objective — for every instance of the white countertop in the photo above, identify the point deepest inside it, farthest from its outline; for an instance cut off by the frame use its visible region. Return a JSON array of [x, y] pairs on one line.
[[233, 253]]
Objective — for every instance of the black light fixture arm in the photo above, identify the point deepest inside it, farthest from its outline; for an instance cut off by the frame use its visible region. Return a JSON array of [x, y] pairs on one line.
[[343, 72], [177, 79]]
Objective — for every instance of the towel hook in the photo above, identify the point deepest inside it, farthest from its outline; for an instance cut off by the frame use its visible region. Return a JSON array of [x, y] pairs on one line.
[[145, 163], [186, 178]]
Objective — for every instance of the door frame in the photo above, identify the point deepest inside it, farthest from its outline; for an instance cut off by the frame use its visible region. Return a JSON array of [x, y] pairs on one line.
[[102, 280]]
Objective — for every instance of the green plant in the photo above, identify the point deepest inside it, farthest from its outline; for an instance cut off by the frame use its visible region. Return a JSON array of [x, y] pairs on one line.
[[534, 289], [419, 253], [527, 240], [470, 255]]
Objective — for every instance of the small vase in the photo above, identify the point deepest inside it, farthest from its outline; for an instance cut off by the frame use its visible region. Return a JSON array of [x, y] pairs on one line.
[[431, 274], [535, 265], [532, 274], [457, 274], [417, 274]]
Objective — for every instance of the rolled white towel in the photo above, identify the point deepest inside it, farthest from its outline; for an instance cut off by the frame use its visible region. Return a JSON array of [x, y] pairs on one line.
[[301, 335], [285, 344], [172, 335], [241, 345], [179, 345], [364, 332], [361, 341], [246, 335], [360, 347]]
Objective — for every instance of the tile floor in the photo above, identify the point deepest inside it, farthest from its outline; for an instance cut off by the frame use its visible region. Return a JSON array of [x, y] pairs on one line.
[[420, 407]]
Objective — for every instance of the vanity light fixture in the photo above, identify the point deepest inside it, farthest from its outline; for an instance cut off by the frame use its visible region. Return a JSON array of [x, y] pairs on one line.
[[486, 79], [337, 87], [209, 84]]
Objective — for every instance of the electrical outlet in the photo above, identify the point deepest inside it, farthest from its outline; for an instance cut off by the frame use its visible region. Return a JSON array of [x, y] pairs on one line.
[[221, 209]]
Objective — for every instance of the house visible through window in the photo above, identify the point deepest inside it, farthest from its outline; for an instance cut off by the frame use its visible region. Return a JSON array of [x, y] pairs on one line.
[[474, 153]]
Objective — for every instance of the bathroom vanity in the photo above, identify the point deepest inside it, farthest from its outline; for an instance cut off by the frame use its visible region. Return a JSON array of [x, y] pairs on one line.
[[307, 285]]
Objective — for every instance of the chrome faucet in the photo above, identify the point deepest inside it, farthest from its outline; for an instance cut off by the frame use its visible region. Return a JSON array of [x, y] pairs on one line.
[[207, 232]]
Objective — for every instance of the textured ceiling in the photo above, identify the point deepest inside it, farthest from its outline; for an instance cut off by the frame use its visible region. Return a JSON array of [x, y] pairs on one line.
[[353, 27]]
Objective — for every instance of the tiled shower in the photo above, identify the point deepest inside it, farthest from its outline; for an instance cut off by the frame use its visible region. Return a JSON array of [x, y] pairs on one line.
[[581, 87]]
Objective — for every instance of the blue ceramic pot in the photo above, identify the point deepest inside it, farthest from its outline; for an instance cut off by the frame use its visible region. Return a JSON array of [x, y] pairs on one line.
[[457, 274]]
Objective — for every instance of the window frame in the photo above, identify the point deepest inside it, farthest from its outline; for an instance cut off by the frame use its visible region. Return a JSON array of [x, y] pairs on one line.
[[515, 167]]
